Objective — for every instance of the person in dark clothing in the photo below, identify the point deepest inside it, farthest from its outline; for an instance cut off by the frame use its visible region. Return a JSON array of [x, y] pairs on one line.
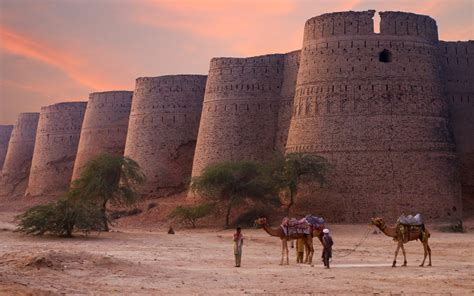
[[327, 251]]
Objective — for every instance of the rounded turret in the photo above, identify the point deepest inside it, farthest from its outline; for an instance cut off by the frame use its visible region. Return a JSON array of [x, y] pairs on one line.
[[5, 133], [105, 125], [59, 128], [162, 130], [240, 111], [373, 105], [16, 168]]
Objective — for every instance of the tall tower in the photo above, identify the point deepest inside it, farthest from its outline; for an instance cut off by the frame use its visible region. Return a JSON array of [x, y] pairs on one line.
[[16, 168], [5, 133], [104, 129], [59, 128], [240, 111], [373, 105], [457, 59], [162, 130]]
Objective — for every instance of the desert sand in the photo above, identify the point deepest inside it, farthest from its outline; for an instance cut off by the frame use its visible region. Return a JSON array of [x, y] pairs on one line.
[[149, 261]]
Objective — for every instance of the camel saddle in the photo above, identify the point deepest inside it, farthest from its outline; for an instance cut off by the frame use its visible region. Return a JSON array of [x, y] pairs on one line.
[[411, 220], [301, 226]]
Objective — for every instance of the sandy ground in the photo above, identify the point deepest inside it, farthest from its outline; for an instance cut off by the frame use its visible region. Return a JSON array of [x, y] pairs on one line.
[[131, 261]]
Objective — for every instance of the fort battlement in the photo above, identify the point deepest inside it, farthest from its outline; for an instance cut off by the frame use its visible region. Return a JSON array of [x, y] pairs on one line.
[[373, 105], [457, 59], [105, 125], [162, 131], [5, 133], [59, 128], [16, 168]]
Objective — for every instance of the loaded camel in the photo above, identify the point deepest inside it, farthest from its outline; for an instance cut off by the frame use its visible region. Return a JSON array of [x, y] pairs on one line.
[[278, 232], [414, 234]]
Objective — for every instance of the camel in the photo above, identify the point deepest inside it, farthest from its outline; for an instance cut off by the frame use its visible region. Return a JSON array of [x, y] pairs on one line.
[[278, 232], [414, 234]]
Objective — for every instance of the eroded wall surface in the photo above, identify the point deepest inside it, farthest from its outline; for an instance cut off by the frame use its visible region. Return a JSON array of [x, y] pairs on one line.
[[5, 133]]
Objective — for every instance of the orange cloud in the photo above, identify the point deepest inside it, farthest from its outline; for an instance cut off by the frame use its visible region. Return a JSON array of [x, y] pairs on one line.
[[241, 30], [18, 44]]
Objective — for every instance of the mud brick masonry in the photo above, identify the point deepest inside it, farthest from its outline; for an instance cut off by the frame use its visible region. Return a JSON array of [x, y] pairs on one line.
[[393, 112]]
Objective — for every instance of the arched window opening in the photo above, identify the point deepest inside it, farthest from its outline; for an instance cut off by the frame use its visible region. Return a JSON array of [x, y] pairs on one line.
[[385, 56]]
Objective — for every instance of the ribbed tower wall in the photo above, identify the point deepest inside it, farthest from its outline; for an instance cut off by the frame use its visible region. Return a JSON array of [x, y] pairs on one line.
[[162, 130], [16, 168], [5, 133], [373, 105], [240, 111], [291, 63], [57, 139], [105, 125], [458, 67]]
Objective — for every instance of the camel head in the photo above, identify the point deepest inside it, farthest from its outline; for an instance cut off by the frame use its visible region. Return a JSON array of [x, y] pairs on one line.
[[377, 221], [261, 221]]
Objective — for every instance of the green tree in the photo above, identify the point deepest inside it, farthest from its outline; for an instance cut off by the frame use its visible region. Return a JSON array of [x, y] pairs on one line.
[[190, 215], [108, 179], [232, 182], [293, 169], [61, 218]]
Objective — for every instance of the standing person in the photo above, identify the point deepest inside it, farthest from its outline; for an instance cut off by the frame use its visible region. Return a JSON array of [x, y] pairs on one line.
[[238, 243], [299, 250], [327, 251]]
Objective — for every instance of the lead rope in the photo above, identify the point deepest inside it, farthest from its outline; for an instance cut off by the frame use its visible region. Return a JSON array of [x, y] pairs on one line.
[[358, 244]]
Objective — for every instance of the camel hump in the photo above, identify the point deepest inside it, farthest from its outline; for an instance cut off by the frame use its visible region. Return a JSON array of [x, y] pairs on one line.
[[411, 220]]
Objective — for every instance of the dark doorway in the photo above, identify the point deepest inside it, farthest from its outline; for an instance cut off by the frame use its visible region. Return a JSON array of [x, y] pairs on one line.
[[385, 56]]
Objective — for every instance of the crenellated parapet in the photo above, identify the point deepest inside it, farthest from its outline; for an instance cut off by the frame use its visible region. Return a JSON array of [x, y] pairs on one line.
[[374, 106], [398, 23], [16, 168], [162, 130], [105, 125], [59, 129]]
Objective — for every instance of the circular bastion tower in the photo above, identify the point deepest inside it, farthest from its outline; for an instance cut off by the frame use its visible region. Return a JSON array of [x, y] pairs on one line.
[[16, 168], [104, 129], [162, 130], [373, 105], [5, 133], [240, 111], [59, 128]]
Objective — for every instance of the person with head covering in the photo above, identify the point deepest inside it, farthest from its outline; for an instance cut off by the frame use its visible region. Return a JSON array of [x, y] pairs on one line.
[[327, 251], [238, 243]]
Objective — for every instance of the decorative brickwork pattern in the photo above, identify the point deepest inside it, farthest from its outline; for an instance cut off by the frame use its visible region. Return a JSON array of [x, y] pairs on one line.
[[59, 128], [16, 168], [105, 125], [373, 105], [163, 128]]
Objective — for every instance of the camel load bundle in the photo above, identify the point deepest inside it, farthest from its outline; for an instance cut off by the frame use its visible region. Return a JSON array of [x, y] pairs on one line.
[[406, 224], [305, 225]]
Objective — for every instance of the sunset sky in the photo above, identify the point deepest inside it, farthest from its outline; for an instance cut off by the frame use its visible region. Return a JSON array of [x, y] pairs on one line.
[[53, 51]]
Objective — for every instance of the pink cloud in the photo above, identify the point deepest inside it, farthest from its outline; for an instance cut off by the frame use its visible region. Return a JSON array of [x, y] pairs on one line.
[[19, 44]]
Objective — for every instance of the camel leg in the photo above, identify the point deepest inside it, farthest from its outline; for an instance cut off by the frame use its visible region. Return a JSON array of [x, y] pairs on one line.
[[311, 250], [282, 251], [404, 256], [425, 253], [287, 253], [429, 253], [396, 254]]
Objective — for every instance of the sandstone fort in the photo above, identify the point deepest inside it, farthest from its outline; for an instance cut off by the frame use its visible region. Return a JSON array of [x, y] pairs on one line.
[[393, 112]]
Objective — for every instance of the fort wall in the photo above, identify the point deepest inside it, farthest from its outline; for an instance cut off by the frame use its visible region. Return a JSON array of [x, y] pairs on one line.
[[240, 111], [59, 129], [5, 133], [104, 129], [163, 126], [373, 105], [457, 59], [16, 168]]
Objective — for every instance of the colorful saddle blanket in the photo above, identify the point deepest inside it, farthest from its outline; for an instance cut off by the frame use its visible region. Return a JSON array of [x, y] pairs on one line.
[[411, 220], [301, 226]]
